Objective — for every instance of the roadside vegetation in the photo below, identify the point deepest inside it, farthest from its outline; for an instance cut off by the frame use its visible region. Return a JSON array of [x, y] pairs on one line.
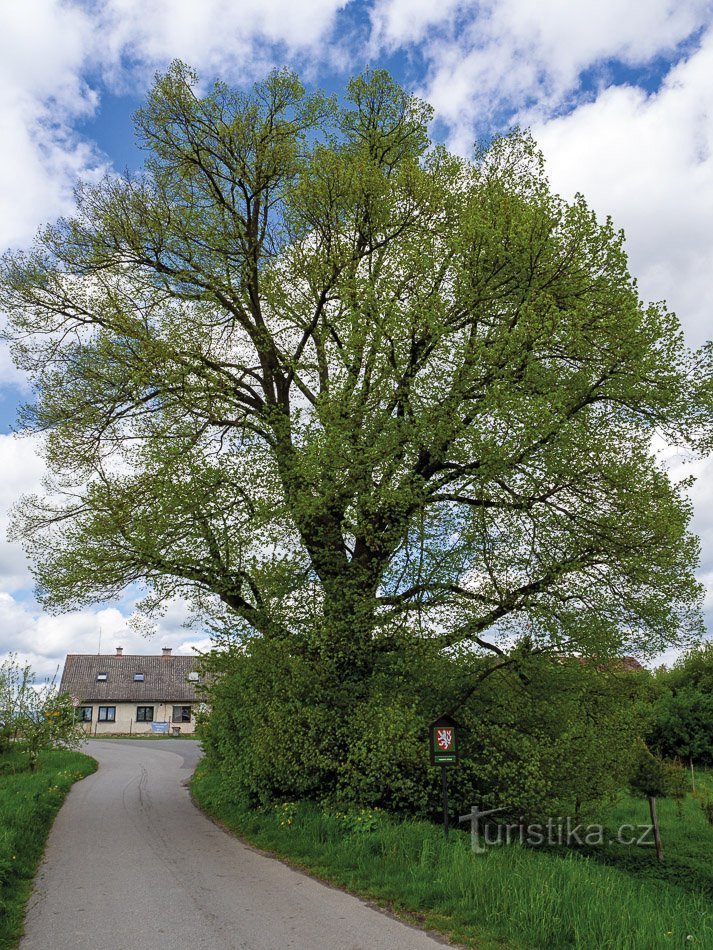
[[29, 800], [34, 716], [539, 738], [39, 763], [514, 895]]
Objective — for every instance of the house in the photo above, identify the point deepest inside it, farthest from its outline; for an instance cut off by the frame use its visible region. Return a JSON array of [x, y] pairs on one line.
[[133, 694]]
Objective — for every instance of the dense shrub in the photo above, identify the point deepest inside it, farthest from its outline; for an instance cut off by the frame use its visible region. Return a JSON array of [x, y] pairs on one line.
[[681, 715], [538, 737]]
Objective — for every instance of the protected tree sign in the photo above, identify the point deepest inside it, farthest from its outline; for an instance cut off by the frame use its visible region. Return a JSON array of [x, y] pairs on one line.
[[444, 741]]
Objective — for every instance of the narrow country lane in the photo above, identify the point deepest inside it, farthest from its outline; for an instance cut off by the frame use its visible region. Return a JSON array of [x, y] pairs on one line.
[[131, 864]]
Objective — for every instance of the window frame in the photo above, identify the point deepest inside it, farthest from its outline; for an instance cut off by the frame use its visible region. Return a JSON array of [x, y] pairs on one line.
[[141, 713], [139, 677], [102, 677], [106, 717], [83, 710], [183, 717]]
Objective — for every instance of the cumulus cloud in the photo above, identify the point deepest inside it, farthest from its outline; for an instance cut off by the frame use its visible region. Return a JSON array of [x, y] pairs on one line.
[[44, 47], [501, 60], [648, 161], [43, 641], [219, 37], [21, 472], [10, 375], [396, 23]]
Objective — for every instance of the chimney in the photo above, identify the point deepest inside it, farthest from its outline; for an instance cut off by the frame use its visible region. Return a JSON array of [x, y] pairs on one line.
[[119, 651], [166, 651]]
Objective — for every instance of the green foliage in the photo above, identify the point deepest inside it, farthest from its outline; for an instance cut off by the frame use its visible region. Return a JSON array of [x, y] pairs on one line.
[[550, 737], [538, 737], [36, 716], [651, 777], [365, 404], [681, 718], [688, 836], [331, 381], [693, 670], [29, 801]]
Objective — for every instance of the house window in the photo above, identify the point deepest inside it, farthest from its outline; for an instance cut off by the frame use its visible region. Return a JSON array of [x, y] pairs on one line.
[[181, 714], [193, 677], [85, 713], [107, 713], [102, 677], [138, 677], [144, 713]]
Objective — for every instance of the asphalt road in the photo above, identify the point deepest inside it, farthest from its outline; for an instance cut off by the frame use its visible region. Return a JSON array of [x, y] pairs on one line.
[[131, 864]]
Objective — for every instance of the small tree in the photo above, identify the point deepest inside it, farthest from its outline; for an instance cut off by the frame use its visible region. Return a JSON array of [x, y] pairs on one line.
[[653, 778], [681, 718], [38, 717]]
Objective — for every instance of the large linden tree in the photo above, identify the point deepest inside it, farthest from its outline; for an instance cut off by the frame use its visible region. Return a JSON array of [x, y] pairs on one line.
[[343, 389]]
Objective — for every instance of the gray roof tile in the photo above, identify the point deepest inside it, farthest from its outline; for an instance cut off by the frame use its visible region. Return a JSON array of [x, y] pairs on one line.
[[165, 678]]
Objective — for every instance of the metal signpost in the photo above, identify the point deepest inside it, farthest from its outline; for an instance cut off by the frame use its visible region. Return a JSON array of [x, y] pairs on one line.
[[443, 734]]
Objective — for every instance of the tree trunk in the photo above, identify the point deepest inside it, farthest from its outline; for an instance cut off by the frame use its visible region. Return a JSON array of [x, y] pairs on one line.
[[655, 825], [347, 645]]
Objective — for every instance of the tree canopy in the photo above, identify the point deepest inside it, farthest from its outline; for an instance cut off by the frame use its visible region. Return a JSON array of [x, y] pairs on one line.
[[344, 389], [681, 716]]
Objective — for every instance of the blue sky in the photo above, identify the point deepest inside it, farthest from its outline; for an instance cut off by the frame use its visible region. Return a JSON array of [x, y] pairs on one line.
[[618, 93]]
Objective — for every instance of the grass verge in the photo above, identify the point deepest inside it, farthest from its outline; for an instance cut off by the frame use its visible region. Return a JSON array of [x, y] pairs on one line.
[[29, 802], [508, 897]]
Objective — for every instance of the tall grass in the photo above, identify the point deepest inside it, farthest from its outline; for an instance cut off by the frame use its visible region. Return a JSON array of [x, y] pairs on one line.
[[509, 896], [29, 801]]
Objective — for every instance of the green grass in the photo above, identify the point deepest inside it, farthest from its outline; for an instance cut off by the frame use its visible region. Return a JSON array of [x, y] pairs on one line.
[[29, 802], [687, 841], [512, 896]]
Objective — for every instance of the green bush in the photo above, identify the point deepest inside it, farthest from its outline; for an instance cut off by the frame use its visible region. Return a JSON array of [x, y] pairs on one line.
[[538, 738]]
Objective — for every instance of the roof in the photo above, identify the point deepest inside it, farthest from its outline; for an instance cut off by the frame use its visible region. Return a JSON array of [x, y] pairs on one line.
[[165, 678]]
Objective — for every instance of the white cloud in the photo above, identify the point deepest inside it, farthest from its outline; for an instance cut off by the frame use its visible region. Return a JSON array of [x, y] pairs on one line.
[[43, 49], [648, 161], [48, 47], [21, 472], [44, 641], [521, 58], [396, 23], [514, 60], [10, 375], [218, 37]]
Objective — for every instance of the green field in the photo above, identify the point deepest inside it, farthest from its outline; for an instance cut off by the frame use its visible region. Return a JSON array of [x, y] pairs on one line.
[[687, 839], [510, 896], [29, 802]]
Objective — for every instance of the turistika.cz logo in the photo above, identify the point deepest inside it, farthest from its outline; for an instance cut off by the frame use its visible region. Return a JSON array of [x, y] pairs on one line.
[[555, 831]]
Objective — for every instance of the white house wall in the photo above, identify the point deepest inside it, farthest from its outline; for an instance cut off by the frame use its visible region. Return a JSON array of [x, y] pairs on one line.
[[126, 724]]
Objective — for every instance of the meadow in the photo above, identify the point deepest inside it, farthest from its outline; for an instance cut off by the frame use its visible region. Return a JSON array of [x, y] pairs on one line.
[[29, 802], [514, 896]]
